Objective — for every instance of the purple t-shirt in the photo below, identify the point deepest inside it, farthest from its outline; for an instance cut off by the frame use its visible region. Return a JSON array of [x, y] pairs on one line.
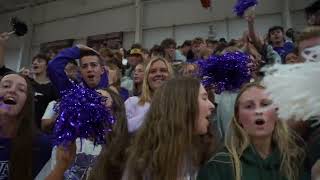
[[41, 153], [284, 50]]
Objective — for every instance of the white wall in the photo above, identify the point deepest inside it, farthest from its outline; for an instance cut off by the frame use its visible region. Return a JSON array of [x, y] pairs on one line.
[[12, 57], [183, 19]]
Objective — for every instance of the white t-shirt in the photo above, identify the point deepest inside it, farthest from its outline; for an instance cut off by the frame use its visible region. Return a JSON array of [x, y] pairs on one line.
[[49, 113], [135, 113], [85, 158]]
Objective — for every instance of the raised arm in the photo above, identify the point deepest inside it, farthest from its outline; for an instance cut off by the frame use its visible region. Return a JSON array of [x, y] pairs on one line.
[[56, 67], [3, 39], [252, 34], [65, 157]]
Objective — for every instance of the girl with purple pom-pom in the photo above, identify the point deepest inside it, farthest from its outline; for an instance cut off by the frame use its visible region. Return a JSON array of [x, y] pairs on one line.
[[75, 160], [111, 161]]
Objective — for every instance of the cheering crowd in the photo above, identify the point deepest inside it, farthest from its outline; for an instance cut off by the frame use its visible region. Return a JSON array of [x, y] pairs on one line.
[[165, 117]]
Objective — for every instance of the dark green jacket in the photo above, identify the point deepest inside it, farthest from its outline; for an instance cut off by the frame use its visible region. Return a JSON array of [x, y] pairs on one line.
[[253, 167]]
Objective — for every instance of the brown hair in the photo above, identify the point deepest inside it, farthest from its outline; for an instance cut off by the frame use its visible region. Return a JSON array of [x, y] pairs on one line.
[[106, 52], [205, 52], [114, 67], [20, 164], [167, 137], [111, 161], [183, 71], [41, 56], [166, 43], [84, 53], [237, 140], [136, 90], [156, 50], [197, 40]]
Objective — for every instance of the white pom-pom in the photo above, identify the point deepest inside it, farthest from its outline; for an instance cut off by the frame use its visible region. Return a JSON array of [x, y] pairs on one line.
[[295, 89]]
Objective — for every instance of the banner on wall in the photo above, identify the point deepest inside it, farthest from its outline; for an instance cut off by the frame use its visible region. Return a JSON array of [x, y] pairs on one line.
[[51, 49], [110, 40]]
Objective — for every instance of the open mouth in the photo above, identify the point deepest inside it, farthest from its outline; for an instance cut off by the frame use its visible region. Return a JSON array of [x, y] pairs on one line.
[[10, 101], [260, 122], [90, 77]]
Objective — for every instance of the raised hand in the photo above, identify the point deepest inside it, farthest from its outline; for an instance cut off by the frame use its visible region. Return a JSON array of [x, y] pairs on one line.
[[316, 171], [66, 155], [86, 48], [4, 38], [250, 18]]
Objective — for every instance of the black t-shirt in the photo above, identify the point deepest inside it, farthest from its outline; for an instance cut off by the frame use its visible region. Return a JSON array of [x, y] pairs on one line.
[[43, 94]]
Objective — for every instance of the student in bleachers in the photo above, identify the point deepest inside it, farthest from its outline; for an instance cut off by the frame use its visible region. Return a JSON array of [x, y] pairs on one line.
[[275, 43], [313, 13], [110, 163], [183, 50], [114, 75], [24, 151], [175, 139], [189, 70], [309, 42], [205, 53], [196, 45], [135, 57], [106, 54], [49, 117], [212, 44], [26, 72], [156, 51], [157, 72], [91, 68], [169, 47], [138, 77], [146, 55], [45, 91], [309, 49], [293, 57], [75, 161], [258, 144]]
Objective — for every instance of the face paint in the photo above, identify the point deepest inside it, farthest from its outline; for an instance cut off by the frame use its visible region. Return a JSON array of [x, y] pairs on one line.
[[311, 54], [266, 108]]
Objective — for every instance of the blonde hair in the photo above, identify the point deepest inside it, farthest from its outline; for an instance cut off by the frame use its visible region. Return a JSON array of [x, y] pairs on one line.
[[205, 52], [147, 92], [183, 71], [237, 141]]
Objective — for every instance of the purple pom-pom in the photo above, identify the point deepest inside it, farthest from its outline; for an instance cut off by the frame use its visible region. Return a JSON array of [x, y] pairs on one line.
[[227, 72], [82, 114], [243, 5]]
